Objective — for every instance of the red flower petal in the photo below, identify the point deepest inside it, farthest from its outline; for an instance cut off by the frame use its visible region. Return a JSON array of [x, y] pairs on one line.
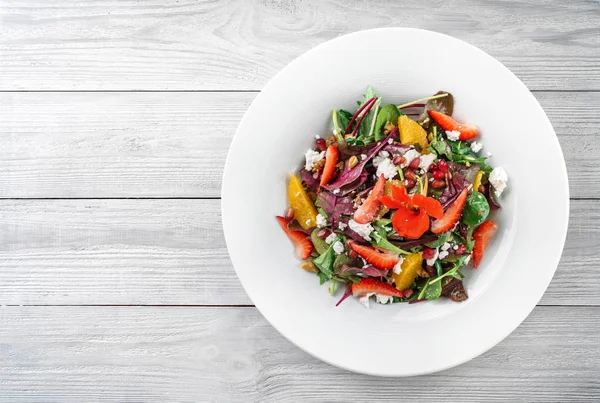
[[399, 193], [391, 203], [431, 206], [410, 223]]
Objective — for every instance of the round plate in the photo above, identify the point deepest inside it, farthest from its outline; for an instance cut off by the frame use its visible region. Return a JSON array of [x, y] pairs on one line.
[[402, 65]]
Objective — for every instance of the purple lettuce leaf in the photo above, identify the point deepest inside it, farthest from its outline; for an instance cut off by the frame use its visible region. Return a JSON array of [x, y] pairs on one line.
[[351, 234], [347, 293], [344, 190], [350, 175], [309, 180], [335, 206], [366, 271], [407, 245], [396, 148]]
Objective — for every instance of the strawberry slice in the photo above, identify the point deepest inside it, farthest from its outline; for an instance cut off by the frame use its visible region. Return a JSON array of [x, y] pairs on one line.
[[380, 258], [482, 236], [467, 131], [303, 245], [369, 285], [369, 209], [451, 216], [331, 159]]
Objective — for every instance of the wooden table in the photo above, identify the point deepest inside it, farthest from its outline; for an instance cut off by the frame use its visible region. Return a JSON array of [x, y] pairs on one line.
[[116, 117]]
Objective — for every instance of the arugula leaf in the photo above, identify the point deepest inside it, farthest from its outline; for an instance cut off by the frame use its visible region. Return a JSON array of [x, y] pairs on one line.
[[383, 222], [344, 118], [389, 113], [451, 272], [457, 151], [320, 245], [365, 126], [340, 260], [470, 243], [440, 241], [380, 239], [325, 261], [438, 267], [476, 209], [322, 278]]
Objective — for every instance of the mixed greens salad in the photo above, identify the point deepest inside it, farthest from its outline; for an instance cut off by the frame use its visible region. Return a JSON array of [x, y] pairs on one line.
[[395, 202]]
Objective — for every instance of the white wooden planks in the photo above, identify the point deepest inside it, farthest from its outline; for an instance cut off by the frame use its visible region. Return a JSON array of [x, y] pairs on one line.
[[172, 252], [96, 145], [239, 45]]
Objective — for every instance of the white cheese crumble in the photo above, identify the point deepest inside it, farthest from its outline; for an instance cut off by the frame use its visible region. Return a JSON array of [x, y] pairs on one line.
[[489, 154], [365, 300], [431, 262], [321, 221], [453, 135], [361, 229], [307, 222], [342, 226], [330, 238], [426, 161], [446, 246], [499, 179], [379, 158], [476, 146], [318, 137], [338, 247], [468, 259], [382, 299], [312, 157], [363, 156], [443, 254], [455, 247], [398, 267], [409, 156], [387, 169], [390, 141], [336, 191]]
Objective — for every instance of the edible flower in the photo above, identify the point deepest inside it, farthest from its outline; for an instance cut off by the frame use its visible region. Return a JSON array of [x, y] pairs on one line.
[[411, 219]]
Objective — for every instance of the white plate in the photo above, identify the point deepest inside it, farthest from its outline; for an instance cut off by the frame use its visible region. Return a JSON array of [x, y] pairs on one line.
[[402, 65]]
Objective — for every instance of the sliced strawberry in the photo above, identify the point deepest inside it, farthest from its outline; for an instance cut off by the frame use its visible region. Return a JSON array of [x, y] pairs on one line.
[[331, 159], [382, 259], [482, 236], [303, 245], [451, 216], [467, 131], [369, 285], [369, 209]]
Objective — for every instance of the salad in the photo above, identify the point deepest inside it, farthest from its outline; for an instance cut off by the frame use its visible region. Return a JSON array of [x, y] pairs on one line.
[[395, 202]]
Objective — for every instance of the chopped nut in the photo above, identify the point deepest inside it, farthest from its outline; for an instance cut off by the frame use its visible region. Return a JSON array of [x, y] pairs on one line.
[[352, 162], [309, 266], [318, 165], [389, 126], [358, 201], [423, 273], [340, 165]]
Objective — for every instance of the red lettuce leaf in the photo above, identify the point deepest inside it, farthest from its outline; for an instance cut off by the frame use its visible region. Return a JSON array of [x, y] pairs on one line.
[[309, 180], [335, 206]]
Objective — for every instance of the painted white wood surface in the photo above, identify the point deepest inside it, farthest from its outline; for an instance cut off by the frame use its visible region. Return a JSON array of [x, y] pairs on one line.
[[240, 44], [78, 150], [225, 354], [128, 144], [172, 252]]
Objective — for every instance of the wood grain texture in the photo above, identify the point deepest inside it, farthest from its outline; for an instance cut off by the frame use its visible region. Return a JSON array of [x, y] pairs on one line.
[[233, 354], [239, 44], [174, 144], [172, 252]]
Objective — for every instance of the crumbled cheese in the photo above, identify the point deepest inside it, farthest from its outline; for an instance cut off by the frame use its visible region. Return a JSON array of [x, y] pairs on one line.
[[338, 247], [387, 169], [307, 222], [390, 141], [342, 226], [318, 137], [426, 161], [443, 254], [361, 229], [312, 157], [467, 260], [453, 134], [364, 261], [446, 246], [365, 300], [499, 179], [431, 262], [336, 191], [455, 247], [363, 156], [489, 154], [409, 156], [330, 238], [398, 267], [379, 158], [476, 146], [384, 299], [384, 154], [321, 221]]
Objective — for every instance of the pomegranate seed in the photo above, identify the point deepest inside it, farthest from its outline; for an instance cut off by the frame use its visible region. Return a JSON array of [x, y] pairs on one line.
[[428, 253], [438, 174], [438, 184], [289, 214], [409, 183], [443, 165], [414, 164], [322, 144], [323, 234], [461, 249], [408, 293], [352, 254], [408, 174], [397, 160]]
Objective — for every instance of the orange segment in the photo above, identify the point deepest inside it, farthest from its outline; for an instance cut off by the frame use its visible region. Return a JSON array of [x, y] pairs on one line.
[[410, 270], [412, 133], [304, 209]]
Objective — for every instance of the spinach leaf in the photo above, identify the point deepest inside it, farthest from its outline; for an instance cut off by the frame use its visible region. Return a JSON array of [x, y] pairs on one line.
[[389, 113], [322, 278], [452, 272], [444, 105], [382, 222], [476, 209], [457, 151], [433, 290], [438, 267], [470, 242], [340, 260], [344, 118], [325, 261], [380, 239], [440, 241], [320, 245], [365, 126]]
